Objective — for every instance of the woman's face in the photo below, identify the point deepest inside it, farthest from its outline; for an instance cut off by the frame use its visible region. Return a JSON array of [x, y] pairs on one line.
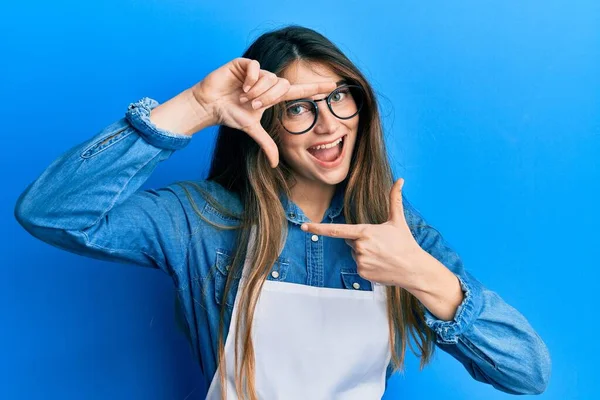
[[328, 166]]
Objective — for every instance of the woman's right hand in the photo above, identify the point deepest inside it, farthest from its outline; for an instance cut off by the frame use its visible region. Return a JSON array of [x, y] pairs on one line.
[[238, 93]]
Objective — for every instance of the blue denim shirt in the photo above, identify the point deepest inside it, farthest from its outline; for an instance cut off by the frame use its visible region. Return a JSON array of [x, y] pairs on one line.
[[89, 202]]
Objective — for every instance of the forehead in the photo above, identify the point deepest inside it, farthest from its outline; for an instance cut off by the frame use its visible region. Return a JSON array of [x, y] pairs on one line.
[[309, 72]]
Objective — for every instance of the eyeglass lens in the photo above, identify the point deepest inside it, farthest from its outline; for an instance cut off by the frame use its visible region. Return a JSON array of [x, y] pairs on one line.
[[299, 116]]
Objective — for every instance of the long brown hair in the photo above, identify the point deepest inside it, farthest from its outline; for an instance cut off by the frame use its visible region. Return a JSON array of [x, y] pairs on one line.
[[239, 165]]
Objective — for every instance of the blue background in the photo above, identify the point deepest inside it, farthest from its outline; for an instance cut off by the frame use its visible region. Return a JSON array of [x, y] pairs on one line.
[[492, 116]]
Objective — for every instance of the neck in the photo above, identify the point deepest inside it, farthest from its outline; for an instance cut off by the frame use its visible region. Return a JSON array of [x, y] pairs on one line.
[[313, 198]]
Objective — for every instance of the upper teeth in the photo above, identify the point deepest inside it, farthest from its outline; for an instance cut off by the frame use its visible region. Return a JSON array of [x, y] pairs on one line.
[[327, 146]]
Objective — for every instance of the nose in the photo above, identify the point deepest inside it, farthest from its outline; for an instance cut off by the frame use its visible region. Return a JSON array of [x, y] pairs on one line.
[[326, 122]]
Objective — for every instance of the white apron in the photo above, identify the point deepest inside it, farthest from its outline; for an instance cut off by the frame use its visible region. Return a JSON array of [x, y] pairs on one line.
[[313, 343]]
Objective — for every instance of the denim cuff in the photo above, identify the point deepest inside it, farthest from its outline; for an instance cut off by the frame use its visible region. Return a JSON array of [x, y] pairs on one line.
[[138, 115], [466, 313]]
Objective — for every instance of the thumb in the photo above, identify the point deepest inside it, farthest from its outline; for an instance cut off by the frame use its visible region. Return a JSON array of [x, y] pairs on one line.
[[396, 206]]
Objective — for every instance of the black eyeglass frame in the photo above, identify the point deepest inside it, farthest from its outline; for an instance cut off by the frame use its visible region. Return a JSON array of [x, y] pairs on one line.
[[328, 101]]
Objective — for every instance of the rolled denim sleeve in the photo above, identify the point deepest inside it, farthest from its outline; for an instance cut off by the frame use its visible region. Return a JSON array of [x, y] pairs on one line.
[[138, 115], [470, 308], [88, 200], [494, 342]]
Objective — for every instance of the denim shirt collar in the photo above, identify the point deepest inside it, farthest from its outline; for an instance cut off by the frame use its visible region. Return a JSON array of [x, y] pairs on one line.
[[295, 214]]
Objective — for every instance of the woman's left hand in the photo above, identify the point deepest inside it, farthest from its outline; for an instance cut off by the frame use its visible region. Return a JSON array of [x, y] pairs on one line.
[[385, 253]]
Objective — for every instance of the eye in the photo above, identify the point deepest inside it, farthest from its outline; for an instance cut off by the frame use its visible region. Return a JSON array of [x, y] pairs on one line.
[[339, 95], [297, 109]]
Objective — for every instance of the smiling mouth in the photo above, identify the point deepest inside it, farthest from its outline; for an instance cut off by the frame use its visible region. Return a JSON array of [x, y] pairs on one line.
[[328, 144], [329, 155]]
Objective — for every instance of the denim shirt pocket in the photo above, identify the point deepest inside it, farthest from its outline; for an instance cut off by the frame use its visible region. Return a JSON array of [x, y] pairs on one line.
[[352, 280], [224, 259], [223, 262], [279, 270]]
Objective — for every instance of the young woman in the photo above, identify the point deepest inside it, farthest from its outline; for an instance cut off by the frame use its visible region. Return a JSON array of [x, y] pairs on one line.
[[300, 267]]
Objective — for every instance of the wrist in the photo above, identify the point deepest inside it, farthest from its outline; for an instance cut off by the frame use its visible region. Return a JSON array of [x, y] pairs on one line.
[[430, 270], [182, 114]]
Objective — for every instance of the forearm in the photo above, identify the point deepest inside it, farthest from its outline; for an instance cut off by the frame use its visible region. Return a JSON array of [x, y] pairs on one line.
[[494, 341], [83, 183], [438, 289], [182, 114]]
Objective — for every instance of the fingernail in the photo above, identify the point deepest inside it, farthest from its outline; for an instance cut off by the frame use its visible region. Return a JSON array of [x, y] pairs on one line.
[[246, 88], [256, 104], [304, 227], [243, 99]]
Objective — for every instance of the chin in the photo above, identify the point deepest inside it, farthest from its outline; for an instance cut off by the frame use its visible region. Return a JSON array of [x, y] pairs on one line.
[[334, 177]]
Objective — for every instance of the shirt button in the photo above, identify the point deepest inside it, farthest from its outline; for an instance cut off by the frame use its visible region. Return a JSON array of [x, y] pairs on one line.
[[356, 285], [275, 274], [314, 238]]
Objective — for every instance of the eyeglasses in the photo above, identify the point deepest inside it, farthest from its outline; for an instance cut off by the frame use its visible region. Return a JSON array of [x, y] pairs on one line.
[[299, 116]]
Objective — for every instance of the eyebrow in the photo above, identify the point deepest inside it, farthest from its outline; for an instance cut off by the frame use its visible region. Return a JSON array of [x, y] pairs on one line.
[[337, 84]]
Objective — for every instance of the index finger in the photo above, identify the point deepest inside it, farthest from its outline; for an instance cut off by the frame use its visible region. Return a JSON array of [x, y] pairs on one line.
[[252, 75], [343, 231], [303, 90]]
